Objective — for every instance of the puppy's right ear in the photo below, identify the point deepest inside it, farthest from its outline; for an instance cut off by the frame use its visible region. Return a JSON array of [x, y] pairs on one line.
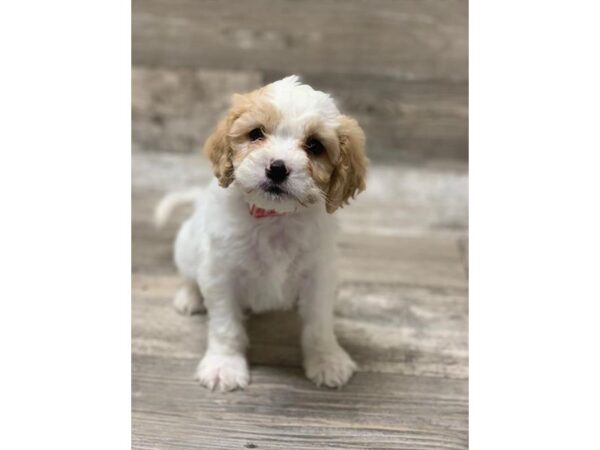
[[219, 151]]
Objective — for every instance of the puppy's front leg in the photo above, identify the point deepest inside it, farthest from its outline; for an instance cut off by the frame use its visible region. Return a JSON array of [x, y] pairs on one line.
[[325, 361], [224, 366]]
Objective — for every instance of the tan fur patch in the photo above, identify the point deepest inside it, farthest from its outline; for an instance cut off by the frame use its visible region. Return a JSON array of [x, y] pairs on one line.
[[321, 166], [249, 111], [327, 136], [348, 178], [218, 149], [253, 110]]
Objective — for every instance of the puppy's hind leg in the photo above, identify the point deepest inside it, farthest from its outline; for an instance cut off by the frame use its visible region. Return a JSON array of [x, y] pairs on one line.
[[188, 299]]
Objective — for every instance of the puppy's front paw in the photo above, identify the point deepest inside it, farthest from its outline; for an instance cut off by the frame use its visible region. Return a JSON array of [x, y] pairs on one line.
[[332, 368], [188, 300], [223, 372]]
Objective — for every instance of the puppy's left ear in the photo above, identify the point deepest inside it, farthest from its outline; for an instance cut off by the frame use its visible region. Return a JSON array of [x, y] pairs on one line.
[[348, 178], [218, 150]]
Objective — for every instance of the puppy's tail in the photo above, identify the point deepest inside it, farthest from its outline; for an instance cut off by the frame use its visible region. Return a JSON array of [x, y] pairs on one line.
[[165, 207]]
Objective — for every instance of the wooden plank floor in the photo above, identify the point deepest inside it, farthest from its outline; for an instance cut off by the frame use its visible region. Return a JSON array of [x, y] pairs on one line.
[[401, 313]]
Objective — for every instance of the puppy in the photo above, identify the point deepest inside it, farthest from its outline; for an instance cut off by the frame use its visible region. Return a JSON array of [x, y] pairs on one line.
[[262, 234]]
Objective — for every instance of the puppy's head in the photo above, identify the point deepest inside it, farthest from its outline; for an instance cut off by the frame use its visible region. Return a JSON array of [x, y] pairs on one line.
[[287, 146]]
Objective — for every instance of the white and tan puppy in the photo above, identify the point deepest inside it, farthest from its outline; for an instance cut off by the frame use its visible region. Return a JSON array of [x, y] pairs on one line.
[[262, 236]]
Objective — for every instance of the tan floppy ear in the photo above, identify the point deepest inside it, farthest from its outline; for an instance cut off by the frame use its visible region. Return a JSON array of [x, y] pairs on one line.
[[218, 149], [348, 177]]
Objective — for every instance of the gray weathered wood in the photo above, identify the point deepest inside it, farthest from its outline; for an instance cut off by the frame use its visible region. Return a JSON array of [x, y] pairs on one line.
[[401, 313], [175, 110], [405, 120], [400, 38], [281, 409], [388, 328]]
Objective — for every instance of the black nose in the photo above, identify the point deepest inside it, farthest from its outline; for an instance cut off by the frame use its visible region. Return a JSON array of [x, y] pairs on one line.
[[277, 172]]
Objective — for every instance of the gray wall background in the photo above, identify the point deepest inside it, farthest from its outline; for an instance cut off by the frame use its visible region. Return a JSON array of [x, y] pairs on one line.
[[399, 66]]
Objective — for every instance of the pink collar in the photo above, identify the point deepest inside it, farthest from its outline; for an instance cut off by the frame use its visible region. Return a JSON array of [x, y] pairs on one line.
[[259, 213]]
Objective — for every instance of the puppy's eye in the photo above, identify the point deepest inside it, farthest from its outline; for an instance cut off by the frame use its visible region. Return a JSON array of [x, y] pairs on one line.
[[256, 134], [313, 146]]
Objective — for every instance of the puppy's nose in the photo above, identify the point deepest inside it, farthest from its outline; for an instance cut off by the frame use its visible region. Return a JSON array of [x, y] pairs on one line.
[[277, 172]]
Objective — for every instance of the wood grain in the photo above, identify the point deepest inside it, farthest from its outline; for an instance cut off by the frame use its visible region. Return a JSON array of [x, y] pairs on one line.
[[405, 39], [175, 110], [404, 120], [281, 409], [399, 66], [387, 328], [401, 313]]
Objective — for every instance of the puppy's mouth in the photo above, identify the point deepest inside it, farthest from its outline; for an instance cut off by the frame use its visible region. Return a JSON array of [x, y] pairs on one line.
[[274, 191]]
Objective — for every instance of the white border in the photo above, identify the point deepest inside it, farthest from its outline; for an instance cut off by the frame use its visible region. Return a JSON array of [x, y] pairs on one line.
[[65, 240], [534, 225]]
